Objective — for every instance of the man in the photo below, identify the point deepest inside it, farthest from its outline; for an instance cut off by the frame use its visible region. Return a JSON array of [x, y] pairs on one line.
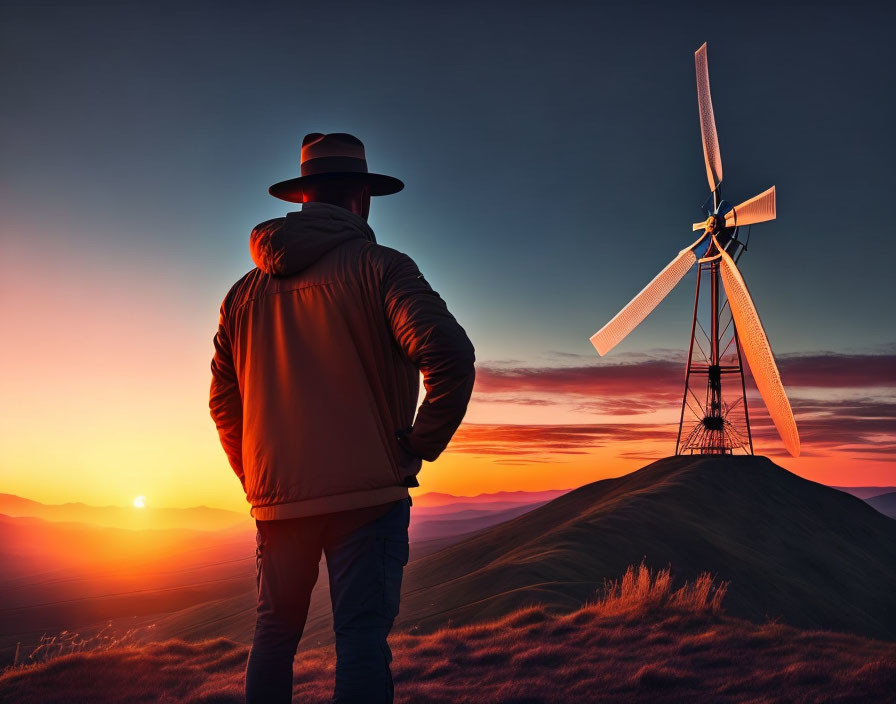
[[315, 380]]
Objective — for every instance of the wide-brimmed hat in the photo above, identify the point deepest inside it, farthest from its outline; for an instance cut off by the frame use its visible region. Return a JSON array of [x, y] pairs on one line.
[[332, 157]]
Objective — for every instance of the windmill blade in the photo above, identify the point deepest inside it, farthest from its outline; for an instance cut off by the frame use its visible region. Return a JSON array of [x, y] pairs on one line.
[[641, 305], [758, 209], [758, 353], [711, 153]]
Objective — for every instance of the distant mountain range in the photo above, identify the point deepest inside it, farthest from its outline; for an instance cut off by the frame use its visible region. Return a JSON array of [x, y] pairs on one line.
[[428, 505], [194, 518], [434, 498], [881, 498], [866, 492], [463, 521], [885, 503], [436, 514]]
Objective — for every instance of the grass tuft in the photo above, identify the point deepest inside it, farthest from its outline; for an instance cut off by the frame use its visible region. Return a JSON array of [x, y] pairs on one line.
[[642, 590]]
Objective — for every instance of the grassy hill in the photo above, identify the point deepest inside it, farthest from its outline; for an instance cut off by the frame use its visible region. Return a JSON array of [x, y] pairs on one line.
[[644, 641], [792, 549]]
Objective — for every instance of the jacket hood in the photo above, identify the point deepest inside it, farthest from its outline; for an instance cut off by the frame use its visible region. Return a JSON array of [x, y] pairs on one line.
[[286, 246]]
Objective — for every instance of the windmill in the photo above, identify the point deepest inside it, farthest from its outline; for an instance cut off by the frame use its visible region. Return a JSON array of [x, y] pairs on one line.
[[716, 427]]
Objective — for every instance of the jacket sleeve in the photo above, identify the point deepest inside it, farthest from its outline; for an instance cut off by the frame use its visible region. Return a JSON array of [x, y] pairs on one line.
[[225, 402], [438, 346]]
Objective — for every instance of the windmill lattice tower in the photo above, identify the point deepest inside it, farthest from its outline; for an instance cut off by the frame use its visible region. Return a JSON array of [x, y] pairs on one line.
[[716, 409]]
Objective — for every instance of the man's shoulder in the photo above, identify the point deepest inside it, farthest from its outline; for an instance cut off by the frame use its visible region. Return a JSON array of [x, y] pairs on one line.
[[237, 292], [385, 258]]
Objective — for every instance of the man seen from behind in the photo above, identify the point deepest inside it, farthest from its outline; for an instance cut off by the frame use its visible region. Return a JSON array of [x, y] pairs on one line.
[[315, 381]]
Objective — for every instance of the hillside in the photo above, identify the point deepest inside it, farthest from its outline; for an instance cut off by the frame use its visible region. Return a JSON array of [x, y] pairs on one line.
[[792, 549], [644, 642], [58, 576]]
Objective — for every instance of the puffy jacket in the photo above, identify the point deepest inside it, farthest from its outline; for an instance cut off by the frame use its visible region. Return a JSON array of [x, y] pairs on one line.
[[315, 376]]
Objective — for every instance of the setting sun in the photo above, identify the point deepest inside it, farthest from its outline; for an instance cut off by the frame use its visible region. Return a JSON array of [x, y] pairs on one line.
[[140, 502]]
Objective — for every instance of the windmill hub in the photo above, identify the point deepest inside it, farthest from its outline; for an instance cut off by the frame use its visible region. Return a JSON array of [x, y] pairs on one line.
[[714, 224]]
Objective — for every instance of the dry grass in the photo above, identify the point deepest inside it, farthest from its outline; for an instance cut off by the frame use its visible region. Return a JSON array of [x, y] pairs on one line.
[[642, 589], [641, 640], [69, 642]]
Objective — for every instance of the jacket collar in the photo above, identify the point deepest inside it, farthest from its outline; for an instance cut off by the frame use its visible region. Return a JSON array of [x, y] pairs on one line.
[[286, 246]]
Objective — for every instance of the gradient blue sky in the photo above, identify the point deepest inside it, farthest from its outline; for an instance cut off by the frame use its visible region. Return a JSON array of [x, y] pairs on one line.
[[550, 150]]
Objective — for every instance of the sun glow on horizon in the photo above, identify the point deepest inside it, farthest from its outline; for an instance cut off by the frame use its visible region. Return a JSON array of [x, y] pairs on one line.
[[140, 501]]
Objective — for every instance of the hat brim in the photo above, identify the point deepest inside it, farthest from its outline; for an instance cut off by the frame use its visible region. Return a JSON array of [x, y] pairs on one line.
[[292, 190]]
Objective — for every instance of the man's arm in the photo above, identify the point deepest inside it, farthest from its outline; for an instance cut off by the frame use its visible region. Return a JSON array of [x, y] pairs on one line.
[[438, 346], [225, 402]]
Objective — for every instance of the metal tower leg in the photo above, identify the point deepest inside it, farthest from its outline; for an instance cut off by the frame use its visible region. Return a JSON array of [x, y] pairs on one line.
[[714, 372], [687, 372]]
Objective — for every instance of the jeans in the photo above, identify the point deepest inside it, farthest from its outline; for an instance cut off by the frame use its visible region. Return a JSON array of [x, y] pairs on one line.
[[365, 567]]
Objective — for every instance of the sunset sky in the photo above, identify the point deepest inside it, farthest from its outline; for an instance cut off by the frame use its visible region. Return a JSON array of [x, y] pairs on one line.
[[552, 164]]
